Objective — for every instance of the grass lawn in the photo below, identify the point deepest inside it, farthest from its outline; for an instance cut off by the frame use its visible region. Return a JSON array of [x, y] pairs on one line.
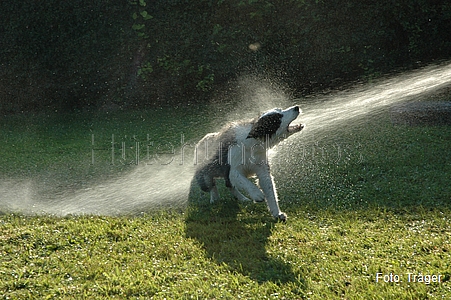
[[369, 208]]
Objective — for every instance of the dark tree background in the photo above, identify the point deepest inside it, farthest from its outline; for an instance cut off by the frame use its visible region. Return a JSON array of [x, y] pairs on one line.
[[81, 54]]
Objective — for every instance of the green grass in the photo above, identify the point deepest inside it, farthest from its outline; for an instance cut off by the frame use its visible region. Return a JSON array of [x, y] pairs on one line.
[[383, 207], [57, 148]]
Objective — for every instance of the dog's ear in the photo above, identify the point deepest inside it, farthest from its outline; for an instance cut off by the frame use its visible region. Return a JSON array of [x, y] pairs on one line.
[[267, 125]]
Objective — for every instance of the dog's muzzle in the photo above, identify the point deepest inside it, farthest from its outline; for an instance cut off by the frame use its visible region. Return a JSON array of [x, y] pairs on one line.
[[295, 128]]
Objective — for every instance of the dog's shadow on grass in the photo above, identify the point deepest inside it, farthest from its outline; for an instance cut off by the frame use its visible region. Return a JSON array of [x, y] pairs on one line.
[[236, 237]]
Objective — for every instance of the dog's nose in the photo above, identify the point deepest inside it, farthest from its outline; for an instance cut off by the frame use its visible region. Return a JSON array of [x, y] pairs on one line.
[[296, 108]]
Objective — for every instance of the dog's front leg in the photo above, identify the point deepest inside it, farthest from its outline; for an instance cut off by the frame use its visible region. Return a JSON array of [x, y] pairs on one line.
[[266, 182]]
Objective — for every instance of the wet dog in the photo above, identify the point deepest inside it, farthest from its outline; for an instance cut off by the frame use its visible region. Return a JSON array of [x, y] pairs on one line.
[[240, 151]]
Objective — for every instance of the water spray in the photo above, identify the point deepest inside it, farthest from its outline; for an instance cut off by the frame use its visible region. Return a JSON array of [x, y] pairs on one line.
[[148, 187]]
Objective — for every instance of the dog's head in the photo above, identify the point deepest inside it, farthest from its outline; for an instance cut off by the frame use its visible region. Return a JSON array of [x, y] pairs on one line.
[[275, 123]]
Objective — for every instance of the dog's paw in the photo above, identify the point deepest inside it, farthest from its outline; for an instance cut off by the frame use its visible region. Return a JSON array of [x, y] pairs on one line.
[[282, 217]]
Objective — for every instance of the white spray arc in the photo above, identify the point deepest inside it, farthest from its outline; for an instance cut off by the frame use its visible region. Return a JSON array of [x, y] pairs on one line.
[[153, 186], [370, 99]]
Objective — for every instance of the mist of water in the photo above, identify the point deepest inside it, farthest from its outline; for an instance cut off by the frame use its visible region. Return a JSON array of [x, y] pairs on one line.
[[370, 99], [152, 186]]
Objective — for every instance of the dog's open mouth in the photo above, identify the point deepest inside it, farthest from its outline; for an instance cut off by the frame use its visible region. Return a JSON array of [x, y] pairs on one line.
[[295, 128]]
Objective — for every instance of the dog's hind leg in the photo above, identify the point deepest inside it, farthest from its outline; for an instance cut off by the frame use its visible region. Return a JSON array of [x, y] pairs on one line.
[[214, 194], [233, 190], [239, 181], [207, 184], [237, 194]]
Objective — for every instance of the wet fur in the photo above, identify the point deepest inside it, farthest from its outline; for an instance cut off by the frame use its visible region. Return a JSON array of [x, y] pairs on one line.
[[239, 151]]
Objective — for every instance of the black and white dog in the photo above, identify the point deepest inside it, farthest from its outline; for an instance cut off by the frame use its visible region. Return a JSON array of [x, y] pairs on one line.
[[240, 151]]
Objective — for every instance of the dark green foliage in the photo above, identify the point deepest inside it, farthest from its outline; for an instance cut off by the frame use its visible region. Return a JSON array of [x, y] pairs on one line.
[[62, 54], [80, 54]]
